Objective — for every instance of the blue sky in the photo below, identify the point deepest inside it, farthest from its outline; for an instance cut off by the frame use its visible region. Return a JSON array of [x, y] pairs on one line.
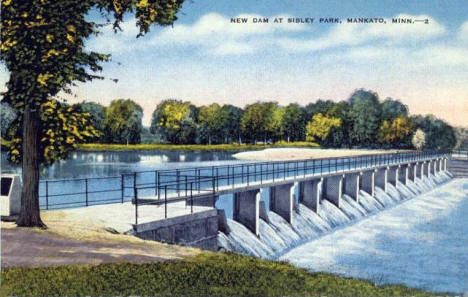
[[204, 58]]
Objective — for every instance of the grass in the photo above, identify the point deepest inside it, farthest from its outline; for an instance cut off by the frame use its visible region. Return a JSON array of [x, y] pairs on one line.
[[189, 147], [208, 274]]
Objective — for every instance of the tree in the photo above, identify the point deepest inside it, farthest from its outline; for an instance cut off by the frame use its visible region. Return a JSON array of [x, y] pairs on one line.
[[262, 120], [391, 109], [320, 127], [365, 113], [419, 139], [439, 135], [294, 122], [252, 123], [7, 116], [232, 131], [122, 122], [42, 46], [395, 133], [98, 113], [175, 121], [212, 120], [274, 121], [320, 106]]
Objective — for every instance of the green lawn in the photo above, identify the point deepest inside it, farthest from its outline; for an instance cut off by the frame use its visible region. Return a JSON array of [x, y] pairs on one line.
[[189, 147], [209, 274]]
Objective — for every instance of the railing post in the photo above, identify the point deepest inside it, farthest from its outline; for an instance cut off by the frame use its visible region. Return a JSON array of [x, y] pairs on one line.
[[191, 199], [155, 183], [165, 201], [248, 175], [198, 180], [186, 186], [135, 196], [122, 187], [178, 182], [47, 194], [86, 191]]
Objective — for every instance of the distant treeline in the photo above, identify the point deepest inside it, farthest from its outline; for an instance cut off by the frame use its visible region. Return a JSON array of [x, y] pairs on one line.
[[363, 120]]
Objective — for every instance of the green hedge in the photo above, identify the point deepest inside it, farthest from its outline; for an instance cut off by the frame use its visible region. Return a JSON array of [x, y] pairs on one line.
[[221, 274]]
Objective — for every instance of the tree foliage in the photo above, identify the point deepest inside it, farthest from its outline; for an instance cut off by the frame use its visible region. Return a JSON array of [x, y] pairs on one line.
[[212, 120], [395, 133], [122, 122], [63, 127], [419, 139], [294, 122], [175, 121], [365, 113], [320, 127]]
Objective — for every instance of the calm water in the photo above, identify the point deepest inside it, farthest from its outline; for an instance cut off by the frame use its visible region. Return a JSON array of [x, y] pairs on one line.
[[98, 164], [422, 243]]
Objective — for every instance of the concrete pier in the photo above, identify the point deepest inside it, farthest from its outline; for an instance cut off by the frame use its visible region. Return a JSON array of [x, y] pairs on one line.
[[333, 188], [412, 171], [403, 174], [368, 181], [425, 169], [247, 209], [310, 193], [351, 185], [420, 170], [392, 174], [282, 201], [381, 178]]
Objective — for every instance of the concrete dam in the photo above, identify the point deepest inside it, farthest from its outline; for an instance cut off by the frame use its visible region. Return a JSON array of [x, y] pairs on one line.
[[264, 209]]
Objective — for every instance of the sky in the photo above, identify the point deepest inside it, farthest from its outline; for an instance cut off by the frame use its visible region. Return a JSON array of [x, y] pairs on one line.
[[204, 58]]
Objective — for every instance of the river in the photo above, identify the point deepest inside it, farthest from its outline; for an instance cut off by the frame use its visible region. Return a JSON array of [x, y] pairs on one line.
[[422, 243], [82, 164]]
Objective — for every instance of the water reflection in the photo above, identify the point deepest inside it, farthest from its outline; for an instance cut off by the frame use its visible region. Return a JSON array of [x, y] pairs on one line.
[[92, 164]]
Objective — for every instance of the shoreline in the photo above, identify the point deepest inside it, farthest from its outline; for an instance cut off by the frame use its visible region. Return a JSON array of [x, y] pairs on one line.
[[280, 154]]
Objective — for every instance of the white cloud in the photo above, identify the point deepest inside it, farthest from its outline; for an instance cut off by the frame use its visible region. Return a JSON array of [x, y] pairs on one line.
[[462, 33], [444, 56]]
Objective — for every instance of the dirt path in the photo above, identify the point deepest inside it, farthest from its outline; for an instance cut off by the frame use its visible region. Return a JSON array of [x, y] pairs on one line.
[[25, 247]]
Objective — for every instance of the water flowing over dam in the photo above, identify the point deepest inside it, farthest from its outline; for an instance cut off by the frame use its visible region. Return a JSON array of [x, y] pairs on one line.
[[277, 236]]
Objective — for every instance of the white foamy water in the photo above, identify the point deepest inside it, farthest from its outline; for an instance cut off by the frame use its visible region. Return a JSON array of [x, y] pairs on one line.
[[422, 243], [378, 238]]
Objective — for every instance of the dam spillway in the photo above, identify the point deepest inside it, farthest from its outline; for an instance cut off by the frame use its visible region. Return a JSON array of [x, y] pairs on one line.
[[276, 235]]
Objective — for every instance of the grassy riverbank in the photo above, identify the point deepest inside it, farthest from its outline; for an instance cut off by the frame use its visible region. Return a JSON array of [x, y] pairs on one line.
[[207, 274], [189, 147]]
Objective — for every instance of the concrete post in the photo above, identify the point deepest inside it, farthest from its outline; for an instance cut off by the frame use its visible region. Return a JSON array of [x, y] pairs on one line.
[[282, 201], [333, 189], [403, 174], [351, 185], [412, 171], [247, 209], [392, 174], [368, 181], [310, 193], [381, 178], [444, 164]]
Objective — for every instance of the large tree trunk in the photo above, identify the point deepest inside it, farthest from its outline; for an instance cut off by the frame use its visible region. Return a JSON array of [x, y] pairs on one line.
[[30, 215]]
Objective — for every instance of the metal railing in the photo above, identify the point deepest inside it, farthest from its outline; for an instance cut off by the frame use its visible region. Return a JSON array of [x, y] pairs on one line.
[[191, 183], [176, 183]]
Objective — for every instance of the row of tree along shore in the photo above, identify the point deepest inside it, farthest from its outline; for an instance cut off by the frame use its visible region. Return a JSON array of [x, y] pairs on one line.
[[363, 120]]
